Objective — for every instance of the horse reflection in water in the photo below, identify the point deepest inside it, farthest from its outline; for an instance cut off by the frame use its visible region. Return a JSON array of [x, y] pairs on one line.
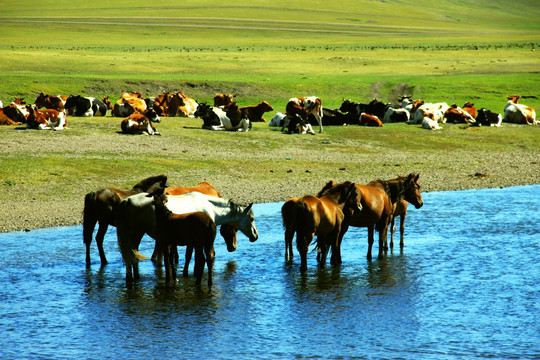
[[136, 217], [99, 206], [321, 215], [196, 230]]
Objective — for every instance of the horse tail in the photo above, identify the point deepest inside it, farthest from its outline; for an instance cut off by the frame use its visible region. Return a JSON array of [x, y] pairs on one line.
[[303, 219], [125, 238], [89, 217]]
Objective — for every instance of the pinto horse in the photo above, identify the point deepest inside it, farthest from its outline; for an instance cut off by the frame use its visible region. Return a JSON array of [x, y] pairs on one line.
[[322, 216], [195, 230], [228, 231], [99, 206], [136, 217], [378, 199]]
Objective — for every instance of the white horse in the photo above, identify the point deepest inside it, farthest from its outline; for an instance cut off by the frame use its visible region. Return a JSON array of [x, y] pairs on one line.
[[136, 217]]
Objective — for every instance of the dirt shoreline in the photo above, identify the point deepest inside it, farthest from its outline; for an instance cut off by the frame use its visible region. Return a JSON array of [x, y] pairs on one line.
[[499, 170]]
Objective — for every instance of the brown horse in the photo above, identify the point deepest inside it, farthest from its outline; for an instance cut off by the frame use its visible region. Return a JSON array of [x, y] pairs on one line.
[[322, 216], [196, 230], [228, 231], [377, 200], [99, 206]]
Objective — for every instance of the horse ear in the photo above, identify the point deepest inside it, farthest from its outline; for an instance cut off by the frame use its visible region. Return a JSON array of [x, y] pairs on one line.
[[248, 207]]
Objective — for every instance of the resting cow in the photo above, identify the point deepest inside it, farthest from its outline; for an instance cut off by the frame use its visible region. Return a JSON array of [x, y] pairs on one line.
[[255, 112], [487, 118], [370, 120], [85, 106], [13, 114], [182, 105], [49, 119], [457, 115], [223, 99], [519, 113], [50, 102], [216, 118], [138, 123], [303, 106]]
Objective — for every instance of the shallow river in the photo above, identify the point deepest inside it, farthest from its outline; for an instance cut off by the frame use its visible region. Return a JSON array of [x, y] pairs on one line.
[[466, 285]]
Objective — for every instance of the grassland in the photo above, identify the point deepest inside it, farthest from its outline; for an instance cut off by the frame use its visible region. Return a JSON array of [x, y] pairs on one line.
[[458, 52]]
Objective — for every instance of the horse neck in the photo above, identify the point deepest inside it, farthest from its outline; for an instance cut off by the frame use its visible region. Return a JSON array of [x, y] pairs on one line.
[[393, 188], [225, 211]]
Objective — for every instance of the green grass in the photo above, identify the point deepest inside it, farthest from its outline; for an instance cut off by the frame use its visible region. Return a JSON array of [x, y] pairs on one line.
[[456, 51]]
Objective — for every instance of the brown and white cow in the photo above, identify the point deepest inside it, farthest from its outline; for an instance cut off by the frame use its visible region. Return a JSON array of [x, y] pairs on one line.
[[369, 120], [519, 113], [182, 105], [50, 102], [161, 104], [469, 107], [303, 106], [128, 104], [138, 123], [10, 115], [49, 119], [255, 112], [223, 99], [107, 103], [457, 115]]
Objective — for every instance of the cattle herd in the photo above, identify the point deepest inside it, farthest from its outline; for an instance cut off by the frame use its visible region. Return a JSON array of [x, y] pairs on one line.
[[139, 113]]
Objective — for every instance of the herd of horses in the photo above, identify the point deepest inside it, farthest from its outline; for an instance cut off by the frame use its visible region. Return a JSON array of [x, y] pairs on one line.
[[188, 216]]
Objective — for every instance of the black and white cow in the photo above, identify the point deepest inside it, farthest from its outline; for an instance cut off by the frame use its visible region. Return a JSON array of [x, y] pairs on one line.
[[486, 117], [86, 106]]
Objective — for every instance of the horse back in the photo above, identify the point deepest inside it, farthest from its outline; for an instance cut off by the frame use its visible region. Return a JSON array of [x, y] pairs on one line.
[[203, 187], [376, 206]]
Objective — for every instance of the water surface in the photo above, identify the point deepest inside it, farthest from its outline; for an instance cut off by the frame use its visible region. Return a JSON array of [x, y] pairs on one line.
[[466, 285]]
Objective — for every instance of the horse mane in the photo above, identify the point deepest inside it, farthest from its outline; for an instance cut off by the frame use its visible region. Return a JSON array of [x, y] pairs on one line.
[[146, 185], [331, 188]]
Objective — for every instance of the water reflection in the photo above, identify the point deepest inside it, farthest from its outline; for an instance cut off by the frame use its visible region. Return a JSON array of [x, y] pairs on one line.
[[459, 289]]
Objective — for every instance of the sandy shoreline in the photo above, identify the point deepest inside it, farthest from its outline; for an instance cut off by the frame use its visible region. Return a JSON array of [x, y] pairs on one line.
[[502, 170]]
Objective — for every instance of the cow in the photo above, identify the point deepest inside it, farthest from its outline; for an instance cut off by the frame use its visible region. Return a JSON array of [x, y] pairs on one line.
[[370, 120], [303, 106], [86, 106], [396, 115], [161, 104], [182, 105], [128, 104], [487, 118], [215, 118], [49, 119], [255, 112], [138, 123], [107, 103], [434, 111], [333, 117], [13, 114], [49, 102], [377, 108], [519, 113], [430, 124], [297, 125], [278, 120], [469, 107], [223, 99], [457, 115]]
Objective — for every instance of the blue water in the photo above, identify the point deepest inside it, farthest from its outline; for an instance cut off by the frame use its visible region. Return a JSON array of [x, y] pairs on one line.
[[466, 285]]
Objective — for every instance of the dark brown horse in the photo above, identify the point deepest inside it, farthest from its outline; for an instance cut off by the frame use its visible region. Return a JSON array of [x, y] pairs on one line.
[[309, 215], [377, 200], [99, 206], [196, 230]]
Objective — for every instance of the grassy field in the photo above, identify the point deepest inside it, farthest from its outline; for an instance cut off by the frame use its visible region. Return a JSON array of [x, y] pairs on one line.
[[456, 52]]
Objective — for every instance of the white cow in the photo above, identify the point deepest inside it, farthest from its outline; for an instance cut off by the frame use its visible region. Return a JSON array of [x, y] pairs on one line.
[[519, 113]]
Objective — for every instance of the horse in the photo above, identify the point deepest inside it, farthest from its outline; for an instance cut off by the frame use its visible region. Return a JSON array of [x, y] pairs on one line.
[[136, 217], [195, 230], [99, 206], [400, 209], [228, 231], [377, 199], [322, 216]]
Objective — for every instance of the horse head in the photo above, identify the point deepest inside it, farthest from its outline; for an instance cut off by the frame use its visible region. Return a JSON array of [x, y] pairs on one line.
[[247, 222], [151, 184], [411, 191], [228, 231]]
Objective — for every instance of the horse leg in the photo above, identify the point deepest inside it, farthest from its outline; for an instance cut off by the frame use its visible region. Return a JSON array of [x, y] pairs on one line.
[[370, 241], [189, 253], [210, 256], [100, 236], [335, 260], [199, 264], [392, 231], [402, 230], [383, 236], [88, 230], [302, 245], [289, 235]]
